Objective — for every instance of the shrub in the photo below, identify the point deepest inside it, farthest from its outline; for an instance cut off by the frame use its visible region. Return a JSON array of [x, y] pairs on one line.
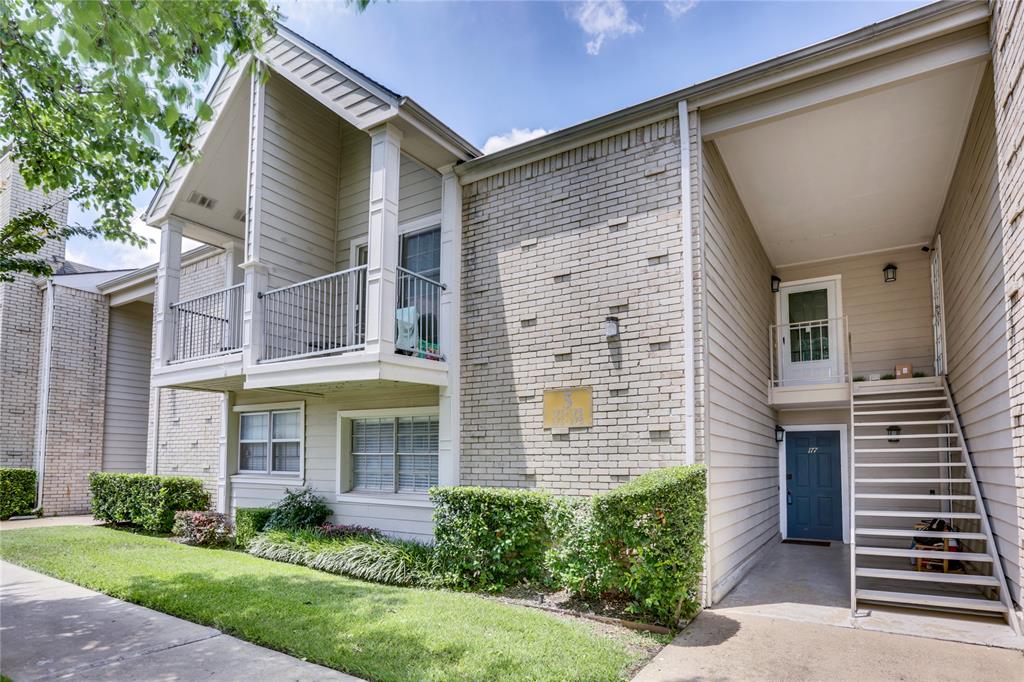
[[298, 509], [145, 500], [575, 559], [490, 538], [374, 558], [652, 535], [338, 531], [17, 492], [203, 528], [248, 522]]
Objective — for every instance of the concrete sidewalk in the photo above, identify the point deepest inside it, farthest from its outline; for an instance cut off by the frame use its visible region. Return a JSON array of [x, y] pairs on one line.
[[726, 645], [51, 630], [47, 521]]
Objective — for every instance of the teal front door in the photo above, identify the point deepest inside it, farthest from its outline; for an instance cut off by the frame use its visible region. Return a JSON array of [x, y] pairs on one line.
[[814, 488]]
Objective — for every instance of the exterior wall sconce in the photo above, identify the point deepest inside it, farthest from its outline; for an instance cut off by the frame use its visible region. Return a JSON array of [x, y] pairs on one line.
[[780, 434], [890, 272], [894, 433], [776, 283], [611, 327]]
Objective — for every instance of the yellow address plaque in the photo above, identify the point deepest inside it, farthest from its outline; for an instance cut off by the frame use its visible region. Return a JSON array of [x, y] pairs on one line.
[[568, 407]]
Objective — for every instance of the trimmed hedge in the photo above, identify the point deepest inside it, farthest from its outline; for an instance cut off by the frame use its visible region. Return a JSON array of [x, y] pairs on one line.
[[490, 538], [145, 500], [17, 492], [651, 532], [249, 522]]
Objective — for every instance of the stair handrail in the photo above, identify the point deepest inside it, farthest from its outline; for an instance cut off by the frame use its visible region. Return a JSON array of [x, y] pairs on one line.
[[979, 501], [853, 479]]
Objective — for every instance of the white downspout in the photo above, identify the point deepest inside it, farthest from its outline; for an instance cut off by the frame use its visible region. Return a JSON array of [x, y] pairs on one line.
[[686, 214], [42, 407]]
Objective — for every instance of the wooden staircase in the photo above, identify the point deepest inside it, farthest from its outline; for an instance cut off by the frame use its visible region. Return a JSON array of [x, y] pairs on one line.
[[921, 473]]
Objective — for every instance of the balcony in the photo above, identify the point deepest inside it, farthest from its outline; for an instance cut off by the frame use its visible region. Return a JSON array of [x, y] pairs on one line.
[[207, 326], [810, 363]]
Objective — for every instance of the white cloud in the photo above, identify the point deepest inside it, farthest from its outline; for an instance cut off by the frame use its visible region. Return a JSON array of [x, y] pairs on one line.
[[110, 255], [306, 14], [495, 143], [603, 20], [677, 8]]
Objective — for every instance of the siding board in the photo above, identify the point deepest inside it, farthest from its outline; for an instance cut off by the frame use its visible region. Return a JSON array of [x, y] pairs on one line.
[[129, 350]]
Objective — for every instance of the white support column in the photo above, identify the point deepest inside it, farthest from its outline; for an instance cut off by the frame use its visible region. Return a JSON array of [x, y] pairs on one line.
[[451, 302], [227, 403], [382, 242], [256, 282], [689, 336], [168, 282], [234, 256]]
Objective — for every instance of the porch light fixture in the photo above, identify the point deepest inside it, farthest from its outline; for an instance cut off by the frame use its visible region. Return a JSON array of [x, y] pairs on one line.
[[776, 282], [780, 434], [894, 433], [890, 272], [611, 327]]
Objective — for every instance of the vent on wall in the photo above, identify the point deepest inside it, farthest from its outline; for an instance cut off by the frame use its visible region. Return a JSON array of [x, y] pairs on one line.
[[201, 200], [240, 215]]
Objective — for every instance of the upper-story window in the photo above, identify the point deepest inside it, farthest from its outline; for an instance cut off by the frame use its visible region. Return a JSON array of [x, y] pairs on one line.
[[270, 442], [421, 253]]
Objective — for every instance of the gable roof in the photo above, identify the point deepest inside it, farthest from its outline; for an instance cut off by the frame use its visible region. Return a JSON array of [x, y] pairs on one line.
[[355, 97]]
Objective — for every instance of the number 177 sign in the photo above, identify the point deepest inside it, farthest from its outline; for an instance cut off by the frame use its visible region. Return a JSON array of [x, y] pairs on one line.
[[568, 407]]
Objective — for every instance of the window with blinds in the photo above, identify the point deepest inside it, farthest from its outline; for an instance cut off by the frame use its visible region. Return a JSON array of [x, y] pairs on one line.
[[394, 454]]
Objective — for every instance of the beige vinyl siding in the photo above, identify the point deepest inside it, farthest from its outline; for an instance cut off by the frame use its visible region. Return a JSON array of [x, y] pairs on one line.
[[127, 399], [321, 458], [419, 191], [890, 322], [299, 200], [972, 270], [353, 192], [743, 455], [225, 84]]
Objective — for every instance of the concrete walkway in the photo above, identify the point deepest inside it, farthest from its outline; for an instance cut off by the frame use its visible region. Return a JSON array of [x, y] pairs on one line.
[[738, 646], [51, 630], [46, 521]]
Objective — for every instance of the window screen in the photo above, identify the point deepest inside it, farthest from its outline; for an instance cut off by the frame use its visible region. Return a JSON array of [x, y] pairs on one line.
[[252, 455], [417, 453], [373, 454], [270, 442]]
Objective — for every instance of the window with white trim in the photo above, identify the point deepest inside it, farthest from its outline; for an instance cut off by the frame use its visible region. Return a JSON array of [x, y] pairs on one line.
[[394, 454], [270, 442]]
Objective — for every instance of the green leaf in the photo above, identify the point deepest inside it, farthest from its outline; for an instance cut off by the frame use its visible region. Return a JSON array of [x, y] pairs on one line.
[[204, 111]]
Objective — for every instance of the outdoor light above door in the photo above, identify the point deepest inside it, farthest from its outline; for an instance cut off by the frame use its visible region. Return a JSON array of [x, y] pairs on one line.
[[780, 434], [890, 272], [776, 283]]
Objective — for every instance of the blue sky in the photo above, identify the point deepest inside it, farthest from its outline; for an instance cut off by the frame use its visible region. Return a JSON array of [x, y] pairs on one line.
[[502, 72]]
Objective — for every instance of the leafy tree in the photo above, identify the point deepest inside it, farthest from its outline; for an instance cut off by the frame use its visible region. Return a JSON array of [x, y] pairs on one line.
[[88, 87]]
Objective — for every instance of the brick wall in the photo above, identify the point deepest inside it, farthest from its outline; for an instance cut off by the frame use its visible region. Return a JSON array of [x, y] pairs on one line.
[[189, 433], [20, 318], [1007, 36], [550, 250], [77, 381]]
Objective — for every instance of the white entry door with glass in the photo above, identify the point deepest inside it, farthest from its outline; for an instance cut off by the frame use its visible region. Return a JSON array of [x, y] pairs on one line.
[[809, 336]]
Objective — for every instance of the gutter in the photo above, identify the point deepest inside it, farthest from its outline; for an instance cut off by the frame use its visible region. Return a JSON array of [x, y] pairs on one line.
[[43, 404], [926, 23]]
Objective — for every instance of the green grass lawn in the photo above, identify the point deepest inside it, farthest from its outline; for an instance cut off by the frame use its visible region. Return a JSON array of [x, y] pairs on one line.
[[372, 631]]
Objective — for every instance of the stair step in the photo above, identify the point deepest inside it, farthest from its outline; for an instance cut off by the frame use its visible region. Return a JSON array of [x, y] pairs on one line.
[[907, 389], [911, 533], [901, 496], [922, 553], [951, 448], [936, 601], [932, 409], [892, 513], [921, 423], [928, 576], [895, 401], [910, 464], [869, 481]]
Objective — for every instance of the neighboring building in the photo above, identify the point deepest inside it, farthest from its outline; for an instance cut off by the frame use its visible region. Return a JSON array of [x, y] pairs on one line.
[[75, 364]]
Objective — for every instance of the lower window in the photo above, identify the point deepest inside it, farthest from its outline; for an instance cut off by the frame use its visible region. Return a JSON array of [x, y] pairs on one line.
[[394, 454], [270, 442]]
